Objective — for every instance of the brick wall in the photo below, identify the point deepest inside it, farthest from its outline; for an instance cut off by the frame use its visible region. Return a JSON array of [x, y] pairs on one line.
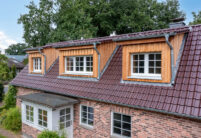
[[29, 131], [144, 123]]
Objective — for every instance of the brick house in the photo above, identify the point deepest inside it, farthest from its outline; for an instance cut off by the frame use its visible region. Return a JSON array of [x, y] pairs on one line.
[[145, 84]]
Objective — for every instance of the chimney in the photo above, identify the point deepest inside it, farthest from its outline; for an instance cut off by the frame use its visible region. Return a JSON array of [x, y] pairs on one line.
[[177, 22]]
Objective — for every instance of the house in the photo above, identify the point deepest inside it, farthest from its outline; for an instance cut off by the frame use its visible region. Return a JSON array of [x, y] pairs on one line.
[[19, 65], [145, 84]]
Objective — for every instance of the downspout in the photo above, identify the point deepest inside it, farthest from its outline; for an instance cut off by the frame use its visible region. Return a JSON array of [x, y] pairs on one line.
[[95, 48], [39, 50], [171, 55]]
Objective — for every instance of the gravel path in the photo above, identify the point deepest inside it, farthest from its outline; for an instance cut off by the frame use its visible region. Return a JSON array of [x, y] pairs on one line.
[[9, 134]]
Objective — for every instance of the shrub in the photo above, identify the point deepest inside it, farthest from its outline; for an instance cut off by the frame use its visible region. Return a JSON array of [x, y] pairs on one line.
[[10, 97], [1, 91], [3, 115], [48, 134], [12, 120]]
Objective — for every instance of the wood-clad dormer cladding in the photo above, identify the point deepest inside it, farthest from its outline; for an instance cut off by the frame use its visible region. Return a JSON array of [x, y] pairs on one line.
[[152, 45], [51, 55], [105, 50]]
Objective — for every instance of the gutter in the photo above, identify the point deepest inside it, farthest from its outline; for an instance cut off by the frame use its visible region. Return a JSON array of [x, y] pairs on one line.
[[110, 102], [99, 56], [172, 57], [39, 50]]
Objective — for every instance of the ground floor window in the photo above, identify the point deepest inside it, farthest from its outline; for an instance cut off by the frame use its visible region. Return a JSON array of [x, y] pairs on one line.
[[65, 118], [29, 113], [42, 117], [121, 125], [87, 115]]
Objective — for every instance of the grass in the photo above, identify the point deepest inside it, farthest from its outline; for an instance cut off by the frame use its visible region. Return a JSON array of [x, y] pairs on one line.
[[2, 136]]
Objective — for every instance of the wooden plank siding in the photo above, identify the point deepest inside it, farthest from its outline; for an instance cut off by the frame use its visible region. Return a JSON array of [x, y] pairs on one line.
[[35, 55], [158, 46], [106, 50], [51, 55]]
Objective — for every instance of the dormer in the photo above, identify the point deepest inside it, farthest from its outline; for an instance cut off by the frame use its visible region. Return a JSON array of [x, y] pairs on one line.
[[151, 58]]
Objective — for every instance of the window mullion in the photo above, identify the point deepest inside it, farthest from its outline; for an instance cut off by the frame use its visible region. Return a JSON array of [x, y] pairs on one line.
[[74, 64], [146, 63], [84, 63]]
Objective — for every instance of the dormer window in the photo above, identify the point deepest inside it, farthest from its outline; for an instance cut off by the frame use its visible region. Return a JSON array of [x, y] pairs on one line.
[[37, 64], [146, 65], [79, 65]]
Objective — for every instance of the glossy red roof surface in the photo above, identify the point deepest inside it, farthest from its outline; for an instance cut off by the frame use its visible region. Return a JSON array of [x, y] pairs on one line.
[[184, 98]]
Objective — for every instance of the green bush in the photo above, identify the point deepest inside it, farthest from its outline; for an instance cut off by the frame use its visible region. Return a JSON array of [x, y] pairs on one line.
[[48, 134], [1, 91], [10, 97], [12, 120], [3, 115]]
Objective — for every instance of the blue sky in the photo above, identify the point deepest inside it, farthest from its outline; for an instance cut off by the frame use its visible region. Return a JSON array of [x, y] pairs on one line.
[[10, 11]]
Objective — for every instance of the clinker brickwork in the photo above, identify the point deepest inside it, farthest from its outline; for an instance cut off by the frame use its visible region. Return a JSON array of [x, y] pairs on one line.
[[144, 123]]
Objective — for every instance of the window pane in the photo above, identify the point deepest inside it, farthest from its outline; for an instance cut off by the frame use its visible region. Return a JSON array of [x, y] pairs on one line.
[[90, 116], [158, 71], [67, 123], [126, 126], [158, 56], [40, 111], [84, 114], [67, 117], [141, 63], [90, 109], [61, 126], [126, 118], [84, 108], [84, 120], [135, 57], [126, 133], [141, 57], [141, 70], [151, 56], [135, 70], [62, 119], [67, 110], [151, 63], [151, 70], [117, 116], [62, 112], [45, 124], [117, 131], [158, 63], [44, 112], [117, 123], [90, 122]]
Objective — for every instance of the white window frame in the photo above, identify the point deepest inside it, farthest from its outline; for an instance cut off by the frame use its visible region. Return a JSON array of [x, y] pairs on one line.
[[146, 74], [28, 120], [39, 62], [42, 118], [117, 135], [74, 72], [65, 120], [86, 124]]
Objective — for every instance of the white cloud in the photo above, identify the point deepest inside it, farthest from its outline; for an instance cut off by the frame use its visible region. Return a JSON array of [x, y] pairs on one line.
[[5, 41]]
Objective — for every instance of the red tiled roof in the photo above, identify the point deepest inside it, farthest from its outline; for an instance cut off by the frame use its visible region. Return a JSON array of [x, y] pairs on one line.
[[184, 98]]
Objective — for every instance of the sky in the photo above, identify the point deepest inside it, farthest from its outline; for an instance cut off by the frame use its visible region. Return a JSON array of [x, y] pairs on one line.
[[10, 11]]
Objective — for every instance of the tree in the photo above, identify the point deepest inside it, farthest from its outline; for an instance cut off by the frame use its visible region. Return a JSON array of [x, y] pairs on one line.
[[13, 71], [37, 23], [72, 21], [16, 49], [196, 18], [10, 97], [4, 69]]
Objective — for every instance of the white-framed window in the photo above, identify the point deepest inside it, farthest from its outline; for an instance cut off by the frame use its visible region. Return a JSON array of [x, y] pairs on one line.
[[65, 118], [146, 65], [42, 118], [79, 65], [121, 125], [29, 113], [37, 64], [87, 115]]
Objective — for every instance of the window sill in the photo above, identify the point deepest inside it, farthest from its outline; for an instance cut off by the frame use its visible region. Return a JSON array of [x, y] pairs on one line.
[[87, 126], [36, 72], [148, 77], [78, 73], [118, 136]]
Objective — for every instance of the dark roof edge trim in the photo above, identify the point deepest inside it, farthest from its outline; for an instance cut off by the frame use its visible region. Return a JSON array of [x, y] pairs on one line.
[[142, 37], [132, 106], [80, 44]]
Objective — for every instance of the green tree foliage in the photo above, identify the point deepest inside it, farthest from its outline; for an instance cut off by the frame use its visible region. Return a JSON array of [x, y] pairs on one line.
[[4, 69], [12, 120], [37, 23], [13, 71], [10, 97], [196, 18], [16, 49], [72, 19], [1, 91], [26, 60]]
